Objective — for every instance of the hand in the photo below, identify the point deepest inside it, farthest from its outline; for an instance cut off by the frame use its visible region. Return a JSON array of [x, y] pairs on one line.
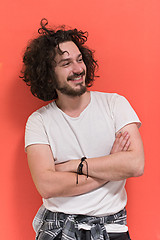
[[121, 143]]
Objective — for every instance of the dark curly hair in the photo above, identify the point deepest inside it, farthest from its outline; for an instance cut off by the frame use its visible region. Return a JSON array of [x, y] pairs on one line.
[[38, 59]]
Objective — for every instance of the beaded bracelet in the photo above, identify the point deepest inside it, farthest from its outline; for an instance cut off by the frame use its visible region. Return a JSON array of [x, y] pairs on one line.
[[80, 167]]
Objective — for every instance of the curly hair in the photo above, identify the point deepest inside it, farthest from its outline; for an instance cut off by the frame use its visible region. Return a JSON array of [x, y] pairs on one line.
[[38, 59]]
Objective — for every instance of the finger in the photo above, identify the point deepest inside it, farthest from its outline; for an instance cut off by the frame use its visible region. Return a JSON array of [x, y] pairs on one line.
[[117, 139], [126, 142], [120, 142], [116, 143], [124, 134], [119, 134], [126, 147], [123, 140]]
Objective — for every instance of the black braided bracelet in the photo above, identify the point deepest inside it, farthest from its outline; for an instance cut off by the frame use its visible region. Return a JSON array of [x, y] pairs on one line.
[[80, 167]]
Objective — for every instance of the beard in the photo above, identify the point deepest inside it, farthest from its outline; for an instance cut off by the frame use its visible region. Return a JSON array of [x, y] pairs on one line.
[[68, 90]]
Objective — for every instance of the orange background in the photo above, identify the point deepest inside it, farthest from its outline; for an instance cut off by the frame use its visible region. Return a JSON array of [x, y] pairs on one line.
[[126, 37]]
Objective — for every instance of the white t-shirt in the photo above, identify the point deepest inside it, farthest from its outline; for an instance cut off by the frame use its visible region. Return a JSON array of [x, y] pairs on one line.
[[92, 134]]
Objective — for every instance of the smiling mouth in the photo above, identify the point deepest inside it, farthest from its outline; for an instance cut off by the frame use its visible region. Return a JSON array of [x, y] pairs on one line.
[[76, 77]]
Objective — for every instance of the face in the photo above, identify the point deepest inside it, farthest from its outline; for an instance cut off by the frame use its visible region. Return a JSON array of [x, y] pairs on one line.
[[70, 70]]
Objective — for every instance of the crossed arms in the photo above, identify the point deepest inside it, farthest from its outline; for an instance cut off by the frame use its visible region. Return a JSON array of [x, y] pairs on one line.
[[126, 160]]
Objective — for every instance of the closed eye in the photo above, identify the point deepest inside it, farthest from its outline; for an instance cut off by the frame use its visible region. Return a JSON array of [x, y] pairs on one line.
[[65, 64], [80, 59]]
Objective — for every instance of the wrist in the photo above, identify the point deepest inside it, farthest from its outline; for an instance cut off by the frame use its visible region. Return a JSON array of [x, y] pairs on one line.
[[73, 164], [80, 167]]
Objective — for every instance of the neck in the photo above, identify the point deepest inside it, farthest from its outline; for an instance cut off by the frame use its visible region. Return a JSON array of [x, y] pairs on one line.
[[73, 106]]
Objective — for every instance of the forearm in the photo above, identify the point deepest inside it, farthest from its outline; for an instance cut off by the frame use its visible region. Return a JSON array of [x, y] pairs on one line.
[[115, 167], [120, 164], [64, 184], [51, 182]]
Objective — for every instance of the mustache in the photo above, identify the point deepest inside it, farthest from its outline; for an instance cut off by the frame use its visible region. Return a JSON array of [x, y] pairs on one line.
[[75, 75]]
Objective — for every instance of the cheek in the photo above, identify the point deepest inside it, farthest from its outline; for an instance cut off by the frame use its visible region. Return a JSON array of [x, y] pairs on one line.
[[61, 74]]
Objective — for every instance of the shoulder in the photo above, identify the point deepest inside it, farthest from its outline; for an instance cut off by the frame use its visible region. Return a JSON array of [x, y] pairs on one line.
[[114, 101], [42, 112], [106, 95], [109, 98]]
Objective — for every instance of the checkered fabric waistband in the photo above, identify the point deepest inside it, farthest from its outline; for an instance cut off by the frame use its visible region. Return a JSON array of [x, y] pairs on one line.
[[53, 223]]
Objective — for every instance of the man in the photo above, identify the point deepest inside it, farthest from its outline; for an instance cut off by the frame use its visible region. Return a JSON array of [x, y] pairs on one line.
[[80, 147]]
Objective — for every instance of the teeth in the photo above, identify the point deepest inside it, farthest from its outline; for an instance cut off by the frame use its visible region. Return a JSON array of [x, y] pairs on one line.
[[77, 78]]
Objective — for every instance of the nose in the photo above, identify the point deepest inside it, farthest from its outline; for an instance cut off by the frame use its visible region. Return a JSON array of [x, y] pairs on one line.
[[77, 67]]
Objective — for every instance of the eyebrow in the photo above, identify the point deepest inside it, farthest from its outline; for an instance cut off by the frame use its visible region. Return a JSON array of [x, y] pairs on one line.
[[68, 59]]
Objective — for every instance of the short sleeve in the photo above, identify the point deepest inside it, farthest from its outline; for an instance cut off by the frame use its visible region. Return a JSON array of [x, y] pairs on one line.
[[35, 130], [123, 113]]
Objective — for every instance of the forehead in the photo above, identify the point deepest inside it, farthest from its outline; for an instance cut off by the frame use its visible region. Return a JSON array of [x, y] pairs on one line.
[[69, 50]]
